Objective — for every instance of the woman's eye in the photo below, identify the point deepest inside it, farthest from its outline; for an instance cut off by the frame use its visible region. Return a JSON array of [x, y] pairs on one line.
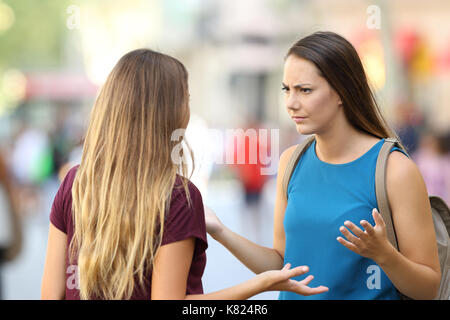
[[285, 89], [306, 90]]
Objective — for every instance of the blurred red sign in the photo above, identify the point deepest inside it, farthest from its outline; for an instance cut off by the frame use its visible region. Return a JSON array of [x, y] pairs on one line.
[[58, 86]]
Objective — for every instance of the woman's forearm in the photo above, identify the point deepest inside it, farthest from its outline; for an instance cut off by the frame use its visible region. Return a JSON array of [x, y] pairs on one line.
[[255, 257], [414, 280], [241, 291]]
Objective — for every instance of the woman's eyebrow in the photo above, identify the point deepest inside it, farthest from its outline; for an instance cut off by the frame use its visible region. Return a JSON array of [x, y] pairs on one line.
[[297, 86]]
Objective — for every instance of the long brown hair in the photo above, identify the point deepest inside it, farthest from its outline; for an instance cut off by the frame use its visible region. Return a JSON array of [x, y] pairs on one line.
[[338, 62], [122, 189]]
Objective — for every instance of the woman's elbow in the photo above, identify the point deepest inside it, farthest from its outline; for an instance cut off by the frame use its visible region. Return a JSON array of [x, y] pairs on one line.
[[433, 288], [436, 284], [48, 293]]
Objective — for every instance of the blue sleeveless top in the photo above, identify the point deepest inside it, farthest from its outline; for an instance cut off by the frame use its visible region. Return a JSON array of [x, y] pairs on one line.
[[321, 197]]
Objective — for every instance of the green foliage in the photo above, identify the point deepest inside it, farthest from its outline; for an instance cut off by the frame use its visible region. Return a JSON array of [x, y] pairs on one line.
[[36, 38]]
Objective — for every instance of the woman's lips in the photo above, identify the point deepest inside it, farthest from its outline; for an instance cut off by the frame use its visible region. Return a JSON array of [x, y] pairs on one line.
[[299, 119]]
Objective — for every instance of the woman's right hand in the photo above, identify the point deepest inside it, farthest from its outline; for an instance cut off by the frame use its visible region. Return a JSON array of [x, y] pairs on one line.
[[280, 280], [213, 225]]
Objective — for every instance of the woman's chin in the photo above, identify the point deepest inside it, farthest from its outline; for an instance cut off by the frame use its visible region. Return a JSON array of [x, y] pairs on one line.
[[304, 130]]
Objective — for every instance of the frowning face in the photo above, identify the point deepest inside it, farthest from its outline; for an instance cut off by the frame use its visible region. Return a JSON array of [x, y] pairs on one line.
[[310, 100]]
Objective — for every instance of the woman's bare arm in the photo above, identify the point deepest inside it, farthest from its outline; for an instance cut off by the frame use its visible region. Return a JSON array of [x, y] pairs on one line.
[[54, 279], [171, 269], [416, 270], [256, 257]]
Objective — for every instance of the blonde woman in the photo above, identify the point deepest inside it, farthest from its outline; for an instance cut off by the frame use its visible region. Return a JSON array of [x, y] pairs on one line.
[[126, 223]]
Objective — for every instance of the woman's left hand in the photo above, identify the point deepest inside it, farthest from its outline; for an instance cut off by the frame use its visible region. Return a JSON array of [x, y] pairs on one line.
[[280, 280], [371, 243]]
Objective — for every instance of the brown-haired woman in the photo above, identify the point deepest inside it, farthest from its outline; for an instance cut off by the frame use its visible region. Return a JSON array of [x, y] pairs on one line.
[[127, 223], [327, 94]]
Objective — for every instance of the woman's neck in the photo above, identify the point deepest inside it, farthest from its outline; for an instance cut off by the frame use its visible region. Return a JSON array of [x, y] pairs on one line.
[[342, 143]]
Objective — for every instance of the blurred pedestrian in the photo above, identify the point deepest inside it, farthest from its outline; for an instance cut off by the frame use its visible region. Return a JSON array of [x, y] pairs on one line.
[[10, 225], [408, 124], [434, 163], [249, 173]]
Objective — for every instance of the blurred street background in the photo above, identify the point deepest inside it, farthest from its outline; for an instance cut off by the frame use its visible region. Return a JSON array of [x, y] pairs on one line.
[[55, 54]]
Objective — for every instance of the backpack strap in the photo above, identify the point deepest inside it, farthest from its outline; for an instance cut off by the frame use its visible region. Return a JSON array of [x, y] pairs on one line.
[[381, 193], [380, 188], [295, 157], [438, 204]]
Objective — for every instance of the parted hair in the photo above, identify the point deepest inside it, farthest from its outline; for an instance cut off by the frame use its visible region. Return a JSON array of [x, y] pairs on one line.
[[339, 63]]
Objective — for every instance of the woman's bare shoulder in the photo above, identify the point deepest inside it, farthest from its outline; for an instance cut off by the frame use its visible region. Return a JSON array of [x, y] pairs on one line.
[[287, 153], [399, 166], [404, 181]]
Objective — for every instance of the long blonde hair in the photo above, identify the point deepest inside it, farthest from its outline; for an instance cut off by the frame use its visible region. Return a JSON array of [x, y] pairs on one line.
[[122, 189]]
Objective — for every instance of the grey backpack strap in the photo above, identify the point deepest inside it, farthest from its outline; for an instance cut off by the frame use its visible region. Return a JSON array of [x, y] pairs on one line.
[[380, 188], [295, 157], [381, 193]]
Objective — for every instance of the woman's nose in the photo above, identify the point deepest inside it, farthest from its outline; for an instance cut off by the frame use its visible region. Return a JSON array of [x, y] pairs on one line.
[[292, 102]]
